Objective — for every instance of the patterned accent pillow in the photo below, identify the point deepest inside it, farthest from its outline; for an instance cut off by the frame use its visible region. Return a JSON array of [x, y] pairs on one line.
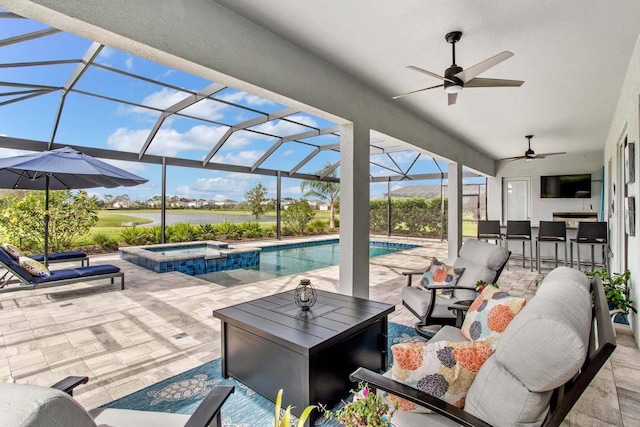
[[442, 369], [34, 267], [12, 251], [490, 314], [440, 273]]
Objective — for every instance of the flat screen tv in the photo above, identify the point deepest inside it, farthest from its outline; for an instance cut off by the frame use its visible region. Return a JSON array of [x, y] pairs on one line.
[[565, 186]]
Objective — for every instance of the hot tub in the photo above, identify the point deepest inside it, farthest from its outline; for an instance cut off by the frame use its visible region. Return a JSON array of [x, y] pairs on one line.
[[191, 258]]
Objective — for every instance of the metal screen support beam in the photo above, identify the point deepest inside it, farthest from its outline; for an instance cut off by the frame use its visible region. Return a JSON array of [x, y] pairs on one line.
[[91, 54], [179, 106], [442, 175], [249, 123], [28, 36], [389, 208], [163, 206], [278, 205]]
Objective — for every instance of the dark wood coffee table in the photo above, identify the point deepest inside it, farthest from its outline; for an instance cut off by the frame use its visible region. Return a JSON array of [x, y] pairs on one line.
[[271, 344]]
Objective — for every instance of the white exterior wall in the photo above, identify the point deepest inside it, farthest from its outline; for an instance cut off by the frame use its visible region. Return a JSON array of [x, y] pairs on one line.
[[626, 122], [542, 209]]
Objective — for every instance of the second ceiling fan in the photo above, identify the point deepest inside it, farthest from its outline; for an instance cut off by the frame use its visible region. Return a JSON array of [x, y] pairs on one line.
[[456, 78], [531, 155]]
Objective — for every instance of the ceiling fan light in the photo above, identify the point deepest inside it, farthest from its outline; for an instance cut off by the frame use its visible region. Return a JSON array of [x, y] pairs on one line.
[[454, 88]]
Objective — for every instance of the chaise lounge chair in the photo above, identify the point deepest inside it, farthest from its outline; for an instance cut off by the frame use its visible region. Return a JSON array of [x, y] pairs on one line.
[[27, 405], [53, 258], [26, 280]]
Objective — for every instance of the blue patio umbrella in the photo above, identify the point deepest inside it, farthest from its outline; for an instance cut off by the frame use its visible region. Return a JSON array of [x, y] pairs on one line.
[[61, 169]]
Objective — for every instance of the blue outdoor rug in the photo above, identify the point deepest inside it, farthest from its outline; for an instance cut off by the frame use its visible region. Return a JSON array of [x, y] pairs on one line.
[[245, 408]]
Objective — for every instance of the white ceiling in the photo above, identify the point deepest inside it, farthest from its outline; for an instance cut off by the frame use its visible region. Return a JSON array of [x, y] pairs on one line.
[[572, 55]]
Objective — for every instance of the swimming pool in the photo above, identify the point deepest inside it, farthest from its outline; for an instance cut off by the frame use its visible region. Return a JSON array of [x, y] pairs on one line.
[[283, 260]]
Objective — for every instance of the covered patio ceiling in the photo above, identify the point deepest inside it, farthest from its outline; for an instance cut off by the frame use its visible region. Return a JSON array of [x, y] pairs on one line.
[[168, 116]]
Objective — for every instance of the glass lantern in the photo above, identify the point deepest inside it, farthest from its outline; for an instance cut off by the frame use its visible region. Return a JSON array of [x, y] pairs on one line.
[[304, 295]]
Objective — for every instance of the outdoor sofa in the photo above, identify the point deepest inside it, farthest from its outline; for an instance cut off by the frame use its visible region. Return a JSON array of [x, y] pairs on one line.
[[543, 361], [25, 280], [25, 405]]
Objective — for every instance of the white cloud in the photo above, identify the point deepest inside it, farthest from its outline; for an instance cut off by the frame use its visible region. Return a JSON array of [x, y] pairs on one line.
[[240, 158], [282, 127], [128, 63], [239, 96], [219, 188], [133, 167], [292, 190], [164, 98], [10, 152], [288, 153], [167, 142]]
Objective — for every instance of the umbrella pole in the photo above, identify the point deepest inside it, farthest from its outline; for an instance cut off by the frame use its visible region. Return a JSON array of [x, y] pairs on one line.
[[46, 222]]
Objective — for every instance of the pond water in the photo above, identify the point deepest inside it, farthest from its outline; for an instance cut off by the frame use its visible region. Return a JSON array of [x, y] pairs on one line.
[[197, 218]]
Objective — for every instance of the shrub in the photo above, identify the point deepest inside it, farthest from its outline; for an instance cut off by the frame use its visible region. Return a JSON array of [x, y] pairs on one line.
[[250, 230], [207, 232], [298, 215], [182, 232], [317, 226], [70, 216], [227, 230], [105, 242], [136, 236]]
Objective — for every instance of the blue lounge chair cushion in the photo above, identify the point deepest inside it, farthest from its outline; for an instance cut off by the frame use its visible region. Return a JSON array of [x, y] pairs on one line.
[[60, 255], [72, 273]]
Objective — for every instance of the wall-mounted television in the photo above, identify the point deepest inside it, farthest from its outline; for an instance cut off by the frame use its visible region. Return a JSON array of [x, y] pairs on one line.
[[565, 186]]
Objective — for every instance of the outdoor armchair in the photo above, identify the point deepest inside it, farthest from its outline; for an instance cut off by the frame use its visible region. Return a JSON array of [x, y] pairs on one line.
[[24, 405], [480, 260]]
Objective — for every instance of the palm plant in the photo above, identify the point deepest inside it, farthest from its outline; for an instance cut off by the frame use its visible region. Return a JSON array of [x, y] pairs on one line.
[[324, 190]]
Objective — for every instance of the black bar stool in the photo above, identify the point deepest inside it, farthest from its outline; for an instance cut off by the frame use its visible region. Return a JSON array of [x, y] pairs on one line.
[[592, 233], [490, 230], [520, 230], [553, 232]]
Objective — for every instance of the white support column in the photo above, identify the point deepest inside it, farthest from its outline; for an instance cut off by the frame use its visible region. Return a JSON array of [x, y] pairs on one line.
[[454, 195], [354, 210]]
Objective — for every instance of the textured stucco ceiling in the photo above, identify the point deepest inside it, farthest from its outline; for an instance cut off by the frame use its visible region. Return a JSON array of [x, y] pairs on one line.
[[572, 55]]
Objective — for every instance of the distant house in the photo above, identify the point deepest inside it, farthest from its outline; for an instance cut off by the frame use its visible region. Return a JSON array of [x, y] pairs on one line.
[[324, 206], [226, 202]]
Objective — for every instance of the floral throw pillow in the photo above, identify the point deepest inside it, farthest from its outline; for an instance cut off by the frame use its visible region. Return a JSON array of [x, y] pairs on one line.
[[11, 250], [440, 273], [490, 314], [442, 369], [34, 267]]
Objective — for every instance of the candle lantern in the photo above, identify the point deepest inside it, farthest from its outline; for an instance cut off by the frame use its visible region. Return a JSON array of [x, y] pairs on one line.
[[304, 295]]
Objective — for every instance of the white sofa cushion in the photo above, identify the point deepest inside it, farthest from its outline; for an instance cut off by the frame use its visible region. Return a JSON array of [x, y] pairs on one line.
[[24, 405]]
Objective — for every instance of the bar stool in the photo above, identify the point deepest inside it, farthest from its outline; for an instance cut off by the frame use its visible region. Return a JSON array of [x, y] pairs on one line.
[[520, 230], [490, 230], [553, 232], [592, 233]]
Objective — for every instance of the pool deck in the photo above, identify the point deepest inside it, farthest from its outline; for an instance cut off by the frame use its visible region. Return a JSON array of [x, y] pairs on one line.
[[128, 340]]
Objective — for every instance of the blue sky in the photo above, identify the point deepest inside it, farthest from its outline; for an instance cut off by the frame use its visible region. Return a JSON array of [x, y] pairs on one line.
[[94, 122]]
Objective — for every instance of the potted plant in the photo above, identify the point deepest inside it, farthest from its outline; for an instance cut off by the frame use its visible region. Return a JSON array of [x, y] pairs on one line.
[[284, 420], [616, 288], [366, 409], [481, 284]]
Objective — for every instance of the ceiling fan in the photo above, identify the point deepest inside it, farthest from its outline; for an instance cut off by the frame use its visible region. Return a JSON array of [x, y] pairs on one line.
[[455, 78], [531, 155]]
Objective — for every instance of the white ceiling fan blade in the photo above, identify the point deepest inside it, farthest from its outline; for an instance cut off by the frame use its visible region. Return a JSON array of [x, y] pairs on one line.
[[429, 73], [480, 82], [471, 72], [452, 97], [416, 91], [513, 158], [543, 155]]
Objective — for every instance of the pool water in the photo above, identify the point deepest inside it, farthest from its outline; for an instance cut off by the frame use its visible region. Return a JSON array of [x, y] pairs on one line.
[[294, 260]]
